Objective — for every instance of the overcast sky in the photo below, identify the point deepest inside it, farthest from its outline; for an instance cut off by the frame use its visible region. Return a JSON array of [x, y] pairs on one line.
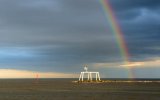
[[62, 35]]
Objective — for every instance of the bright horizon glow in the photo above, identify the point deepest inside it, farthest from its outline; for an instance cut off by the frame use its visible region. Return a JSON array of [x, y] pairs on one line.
[[142, 64], [133, 64], [12, 73]]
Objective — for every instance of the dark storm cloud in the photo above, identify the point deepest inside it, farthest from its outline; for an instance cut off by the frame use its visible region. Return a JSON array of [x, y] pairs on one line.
[[139, 20], [65, 34], [54, 33], [125, 5]]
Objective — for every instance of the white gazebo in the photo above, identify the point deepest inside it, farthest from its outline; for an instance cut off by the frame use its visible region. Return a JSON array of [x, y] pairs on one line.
[[89, 75]]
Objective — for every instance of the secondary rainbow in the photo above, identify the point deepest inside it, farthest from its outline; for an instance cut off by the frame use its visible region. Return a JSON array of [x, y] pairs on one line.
[[116, 30]]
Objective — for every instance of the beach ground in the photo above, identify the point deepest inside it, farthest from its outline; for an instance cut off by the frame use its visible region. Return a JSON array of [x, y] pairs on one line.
[[65, 89]]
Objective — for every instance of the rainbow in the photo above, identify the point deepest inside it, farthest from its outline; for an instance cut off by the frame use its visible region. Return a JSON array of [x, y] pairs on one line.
[[116, 30]]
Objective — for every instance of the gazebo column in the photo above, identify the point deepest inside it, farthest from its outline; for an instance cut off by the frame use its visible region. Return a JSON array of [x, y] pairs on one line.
[[88, 77], [80, 76], [96, 76], [99, 77]]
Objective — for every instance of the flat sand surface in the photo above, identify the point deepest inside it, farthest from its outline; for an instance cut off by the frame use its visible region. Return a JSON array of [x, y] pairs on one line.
[[65, 89]]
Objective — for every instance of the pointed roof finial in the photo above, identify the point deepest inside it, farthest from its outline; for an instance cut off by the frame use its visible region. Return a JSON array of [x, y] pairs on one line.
[[86, 68]]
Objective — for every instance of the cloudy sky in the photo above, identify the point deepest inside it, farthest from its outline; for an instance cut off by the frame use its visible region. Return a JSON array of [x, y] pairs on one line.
[[57, 37]]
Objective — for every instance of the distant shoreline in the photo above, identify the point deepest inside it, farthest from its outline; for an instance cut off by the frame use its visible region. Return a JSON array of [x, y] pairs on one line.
[[104, 79]]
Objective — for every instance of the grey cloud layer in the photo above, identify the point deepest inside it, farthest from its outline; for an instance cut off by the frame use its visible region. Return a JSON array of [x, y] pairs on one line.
[[62, 34]]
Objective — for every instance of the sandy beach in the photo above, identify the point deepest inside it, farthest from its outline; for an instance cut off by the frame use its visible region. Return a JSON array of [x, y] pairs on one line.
[[65, 89]]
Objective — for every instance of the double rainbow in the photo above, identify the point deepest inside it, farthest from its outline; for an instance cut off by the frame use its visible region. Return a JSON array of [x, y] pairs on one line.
[[116, 30]]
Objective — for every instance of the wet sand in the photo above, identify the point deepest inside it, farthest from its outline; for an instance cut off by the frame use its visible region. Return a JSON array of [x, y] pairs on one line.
[[65, 89]]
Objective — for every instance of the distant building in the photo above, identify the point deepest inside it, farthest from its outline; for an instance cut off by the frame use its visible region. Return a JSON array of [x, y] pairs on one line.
[[89, 75]]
